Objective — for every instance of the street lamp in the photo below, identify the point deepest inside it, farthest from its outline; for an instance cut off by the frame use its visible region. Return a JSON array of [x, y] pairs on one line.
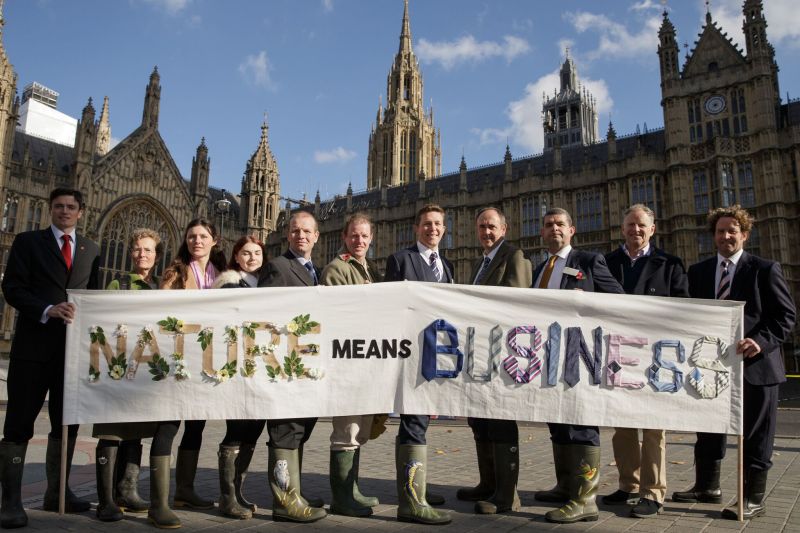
[[222, 207]]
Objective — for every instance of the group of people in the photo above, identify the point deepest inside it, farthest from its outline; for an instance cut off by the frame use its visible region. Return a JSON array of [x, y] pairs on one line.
[[43, 264]]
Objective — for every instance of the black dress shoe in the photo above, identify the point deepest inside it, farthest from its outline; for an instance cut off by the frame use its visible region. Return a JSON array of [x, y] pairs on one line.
[[621, 498], [646, 508]]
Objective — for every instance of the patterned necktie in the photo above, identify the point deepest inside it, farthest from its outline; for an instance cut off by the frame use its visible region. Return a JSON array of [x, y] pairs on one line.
[[548, 271], [435, 267], [724, 289], [66, 251], [310, 267], [482, 271]]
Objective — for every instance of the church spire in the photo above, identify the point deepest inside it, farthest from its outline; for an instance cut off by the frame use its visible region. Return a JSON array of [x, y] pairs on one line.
[[152, 98], [104, 130], [261, 189], [405, 32]]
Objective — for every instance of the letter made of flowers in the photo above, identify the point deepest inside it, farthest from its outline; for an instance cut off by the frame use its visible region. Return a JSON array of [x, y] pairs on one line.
[[293, 366]]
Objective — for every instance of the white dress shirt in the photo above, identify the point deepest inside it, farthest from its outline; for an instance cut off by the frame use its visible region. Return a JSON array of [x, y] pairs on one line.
[[558, 268], [734, 259], [426, 252]]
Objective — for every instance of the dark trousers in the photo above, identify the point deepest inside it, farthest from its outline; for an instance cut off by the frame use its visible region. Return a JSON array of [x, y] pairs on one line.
[[490, 430], [760, 418], [243, 432], [574, 434], [290, 433], [413, 429], [28, 383]]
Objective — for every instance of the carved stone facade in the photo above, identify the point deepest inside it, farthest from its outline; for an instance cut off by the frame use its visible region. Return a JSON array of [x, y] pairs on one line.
[[261, 190], [404, 144], [728, 139], [570, 117]]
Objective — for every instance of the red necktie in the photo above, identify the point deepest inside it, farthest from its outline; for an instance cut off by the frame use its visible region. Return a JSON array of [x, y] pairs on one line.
[[66, 251]]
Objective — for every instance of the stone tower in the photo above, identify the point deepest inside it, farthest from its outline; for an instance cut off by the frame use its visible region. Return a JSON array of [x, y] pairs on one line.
[[85, 144], [404, 144], [152, 100], [198, 185], [104, 130], [570, 117], [261, 190], [9, 104]]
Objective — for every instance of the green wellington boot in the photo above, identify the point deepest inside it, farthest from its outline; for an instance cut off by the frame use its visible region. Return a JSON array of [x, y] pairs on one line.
[[582, 482], [485, 487], [506, 470], [411, 473], [313, 501], [242, 465], [159, 514], [105, 465], [283, 469], [342, 477], [73, 504], [228, 505], [185, 471], [12, 464], [129, 463], [366, 501], [559, 493]]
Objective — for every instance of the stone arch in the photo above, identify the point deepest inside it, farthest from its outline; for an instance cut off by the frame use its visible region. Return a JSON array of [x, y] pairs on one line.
[[116, 226]]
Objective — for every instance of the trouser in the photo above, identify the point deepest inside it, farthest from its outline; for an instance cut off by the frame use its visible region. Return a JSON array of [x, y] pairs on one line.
[[163, 437], [350, 432], [574, 434], [642, 470], [28, 383], [242, 431], [760, 418], [412, 429], [490, 430], [290, 433], [192, 434]]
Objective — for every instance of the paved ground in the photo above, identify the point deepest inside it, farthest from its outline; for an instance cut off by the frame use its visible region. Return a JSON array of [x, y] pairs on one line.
[[452, 465]]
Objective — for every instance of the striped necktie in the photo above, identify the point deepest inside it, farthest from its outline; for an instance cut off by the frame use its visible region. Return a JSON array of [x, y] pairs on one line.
[[482, 271], [435, 267], [724, 289]]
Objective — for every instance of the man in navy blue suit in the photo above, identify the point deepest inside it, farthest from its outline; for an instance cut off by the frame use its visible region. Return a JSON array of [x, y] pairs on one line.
[[574, 447], [42, 265], [769, 316], [421, 262]]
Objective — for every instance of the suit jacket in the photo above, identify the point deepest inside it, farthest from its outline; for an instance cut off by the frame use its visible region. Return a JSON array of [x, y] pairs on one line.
[[36, 277], [407, 264], [596, 277], [769, 311], [662, 274], [286, 271], [508, 268]]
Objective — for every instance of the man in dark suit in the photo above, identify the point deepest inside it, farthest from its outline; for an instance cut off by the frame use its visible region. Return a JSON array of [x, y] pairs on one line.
[[421, 262], [769, 316], [42, 265], [643, 269], [574, 447], [497, 441], [287, 436]]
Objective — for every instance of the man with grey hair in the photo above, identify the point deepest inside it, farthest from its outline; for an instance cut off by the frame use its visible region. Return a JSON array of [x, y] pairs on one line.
[[643, 269]]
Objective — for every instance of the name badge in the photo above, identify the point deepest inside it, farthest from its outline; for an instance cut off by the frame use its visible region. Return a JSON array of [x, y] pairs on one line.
[[571, 271]]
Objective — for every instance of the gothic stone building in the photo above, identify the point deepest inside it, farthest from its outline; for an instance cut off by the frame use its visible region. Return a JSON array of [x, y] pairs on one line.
[[727, 139]]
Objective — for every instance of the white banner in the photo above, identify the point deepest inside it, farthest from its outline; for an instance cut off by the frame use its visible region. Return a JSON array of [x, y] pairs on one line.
[[559, 356]]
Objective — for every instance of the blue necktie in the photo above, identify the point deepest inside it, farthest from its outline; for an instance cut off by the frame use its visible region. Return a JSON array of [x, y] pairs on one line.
[[431, 348], [482, 271], [552, 348], [310, 267]]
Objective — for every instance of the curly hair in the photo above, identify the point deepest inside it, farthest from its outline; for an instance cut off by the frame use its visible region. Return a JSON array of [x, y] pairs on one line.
[[737, 212]]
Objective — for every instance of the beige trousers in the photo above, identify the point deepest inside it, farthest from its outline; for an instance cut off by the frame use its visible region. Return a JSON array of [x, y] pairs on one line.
[[642, 469], [350, 432]]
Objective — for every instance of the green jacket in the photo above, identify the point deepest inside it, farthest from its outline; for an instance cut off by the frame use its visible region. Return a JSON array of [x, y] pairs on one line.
[[345, 270], [135, 283]]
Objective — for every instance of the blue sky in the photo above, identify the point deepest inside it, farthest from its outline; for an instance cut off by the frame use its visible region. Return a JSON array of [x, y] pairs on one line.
[[318, 68]]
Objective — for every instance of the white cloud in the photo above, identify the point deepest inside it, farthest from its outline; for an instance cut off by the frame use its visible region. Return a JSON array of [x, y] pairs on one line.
[[327, 6], [257, 69], [337, 155], [522, 24], [644, 5], [781, 17], [525, 115], [173, 7], [468, 49], [615, 40]]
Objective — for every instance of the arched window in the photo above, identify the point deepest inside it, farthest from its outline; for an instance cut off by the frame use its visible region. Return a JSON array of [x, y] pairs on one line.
[[9, 221]]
